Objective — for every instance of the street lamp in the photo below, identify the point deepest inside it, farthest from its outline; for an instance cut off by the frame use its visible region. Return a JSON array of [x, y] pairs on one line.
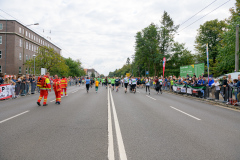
[[34, 62], [23, 68]]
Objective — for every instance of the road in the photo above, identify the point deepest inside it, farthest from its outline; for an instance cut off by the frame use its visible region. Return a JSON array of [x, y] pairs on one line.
[[115, 125]]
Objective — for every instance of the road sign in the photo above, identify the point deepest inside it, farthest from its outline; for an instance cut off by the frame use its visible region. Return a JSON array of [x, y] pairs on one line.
[[147, 72]]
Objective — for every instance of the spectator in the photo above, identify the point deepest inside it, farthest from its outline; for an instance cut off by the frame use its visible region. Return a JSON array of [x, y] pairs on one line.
[[27, 84], [235, 89], [18, 84], [215, 89], [1, 79], [238, 86], [23, 86], [33, 84]]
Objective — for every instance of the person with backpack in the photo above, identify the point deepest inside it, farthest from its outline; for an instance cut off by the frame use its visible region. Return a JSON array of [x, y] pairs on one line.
[[44, 86]]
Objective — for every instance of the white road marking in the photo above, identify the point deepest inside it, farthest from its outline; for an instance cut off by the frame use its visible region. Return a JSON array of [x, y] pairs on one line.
[[151, 97], [186, 113], [53, 100], [137, 91], [74, 91], [110, 132], [13, 117], [121, 148]]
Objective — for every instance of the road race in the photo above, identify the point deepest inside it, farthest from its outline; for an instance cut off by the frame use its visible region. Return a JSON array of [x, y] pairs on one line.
[[119, 80]]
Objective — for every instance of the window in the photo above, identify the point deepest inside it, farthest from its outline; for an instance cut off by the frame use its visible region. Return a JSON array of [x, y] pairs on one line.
[[20, 30], [20, 42], [27, 45], [0, 54], [20, 70], [1, 26], [29, 34], [35, 49], [0, 39], [26, 70], [26, 33], [26, 57], [34, 38], [20, 56], [0, 69], [32, 47]]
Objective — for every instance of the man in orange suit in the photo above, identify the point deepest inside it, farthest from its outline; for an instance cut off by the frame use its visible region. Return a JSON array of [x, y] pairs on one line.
[[44, 85], [57, 89], [64, 86]]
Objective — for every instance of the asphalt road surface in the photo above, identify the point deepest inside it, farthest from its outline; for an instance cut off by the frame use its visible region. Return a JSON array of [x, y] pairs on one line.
[[114, 125]]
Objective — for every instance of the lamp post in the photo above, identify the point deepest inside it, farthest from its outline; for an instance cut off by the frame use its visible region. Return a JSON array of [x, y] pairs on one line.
[[24, 35], [34, 62]]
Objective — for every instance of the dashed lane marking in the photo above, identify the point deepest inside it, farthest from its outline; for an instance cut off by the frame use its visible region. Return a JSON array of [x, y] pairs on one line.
[[151, 97], [185, 113], [13, 116]]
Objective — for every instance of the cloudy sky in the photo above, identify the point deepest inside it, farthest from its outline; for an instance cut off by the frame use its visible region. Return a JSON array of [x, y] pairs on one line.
[[101, 32]]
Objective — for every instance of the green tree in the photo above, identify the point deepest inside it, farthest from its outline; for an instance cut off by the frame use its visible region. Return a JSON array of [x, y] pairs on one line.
[[75, 68], [226, 49], [209, 33], [49, 59]]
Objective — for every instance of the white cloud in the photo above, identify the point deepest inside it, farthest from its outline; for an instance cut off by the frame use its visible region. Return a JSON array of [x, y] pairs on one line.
[[101, 33]]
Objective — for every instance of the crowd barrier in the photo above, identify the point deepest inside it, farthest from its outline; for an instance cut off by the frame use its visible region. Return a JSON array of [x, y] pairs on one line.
[[226, 94]]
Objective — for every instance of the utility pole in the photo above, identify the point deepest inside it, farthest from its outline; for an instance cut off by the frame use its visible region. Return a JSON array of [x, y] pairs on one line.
[[237, 49]]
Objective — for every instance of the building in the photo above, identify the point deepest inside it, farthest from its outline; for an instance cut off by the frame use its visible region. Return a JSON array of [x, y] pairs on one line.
[[18, 44], [91, 72]]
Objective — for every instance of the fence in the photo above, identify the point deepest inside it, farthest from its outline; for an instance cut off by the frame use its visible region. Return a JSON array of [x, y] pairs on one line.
[[224, 94]]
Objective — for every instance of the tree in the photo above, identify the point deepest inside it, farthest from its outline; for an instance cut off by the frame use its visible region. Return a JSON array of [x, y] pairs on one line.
[[209, 33], [128, 61], [49, 59], [75, 68], [226, 49]]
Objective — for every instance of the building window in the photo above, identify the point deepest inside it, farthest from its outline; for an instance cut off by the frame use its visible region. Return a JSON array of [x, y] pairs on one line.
[[20, 70], [20, 42], [32, 47], [20, 56], [26, 57], [26, 33], [0, 39], [0, 54], [35, 49], [34, 38], [26, 70], [1, 26], [0, 69], [20, 30], [29, 35], [27, 45]]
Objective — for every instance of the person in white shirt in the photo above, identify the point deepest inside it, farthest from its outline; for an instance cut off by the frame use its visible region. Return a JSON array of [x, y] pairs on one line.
[[134, 83], [147, 82], [215, 89]]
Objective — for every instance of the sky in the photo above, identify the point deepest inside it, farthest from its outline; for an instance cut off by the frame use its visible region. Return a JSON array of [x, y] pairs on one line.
[[101, 33]]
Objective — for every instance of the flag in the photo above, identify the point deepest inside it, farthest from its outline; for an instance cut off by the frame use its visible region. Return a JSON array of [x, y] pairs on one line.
[[164, 62], [207, 60]]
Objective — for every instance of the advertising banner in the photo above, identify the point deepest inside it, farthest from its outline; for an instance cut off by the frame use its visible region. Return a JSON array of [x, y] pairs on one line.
[[198, 69], [5, 91]]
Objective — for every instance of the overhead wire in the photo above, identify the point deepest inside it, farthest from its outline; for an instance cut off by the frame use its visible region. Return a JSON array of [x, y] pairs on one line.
[[204, 15]]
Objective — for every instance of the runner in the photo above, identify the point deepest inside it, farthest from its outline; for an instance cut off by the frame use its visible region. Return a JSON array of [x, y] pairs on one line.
[[109, 82], [134, 83], [96, 85], [147, 82], [88, 81], [125, 83], [103, 81], [130, 84], [80, 81], [138, 82], [113, 83], [157, 82], [160, 81], [117, 82], [106, 82]]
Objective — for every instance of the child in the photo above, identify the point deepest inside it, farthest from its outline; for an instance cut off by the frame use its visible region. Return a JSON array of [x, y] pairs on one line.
[[96, 85]]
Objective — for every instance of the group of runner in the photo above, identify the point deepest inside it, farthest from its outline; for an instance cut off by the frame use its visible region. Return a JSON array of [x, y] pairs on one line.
[[116, 82]]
